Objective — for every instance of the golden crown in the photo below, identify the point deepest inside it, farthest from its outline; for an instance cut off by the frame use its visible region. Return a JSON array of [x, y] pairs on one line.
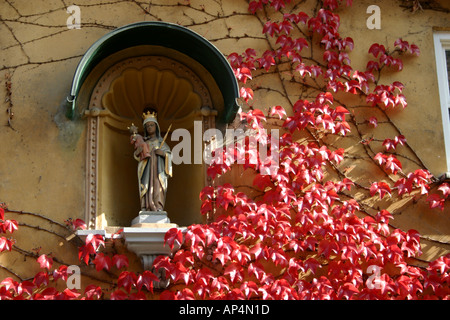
[[148, 115]]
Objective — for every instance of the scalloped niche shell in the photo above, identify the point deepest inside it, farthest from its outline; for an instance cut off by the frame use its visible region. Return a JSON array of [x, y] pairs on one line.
[[173, 96]]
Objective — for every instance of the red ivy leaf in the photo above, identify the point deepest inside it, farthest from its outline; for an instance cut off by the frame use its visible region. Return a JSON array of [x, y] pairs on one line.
[[146, 280], [102, 261], [326, 248], [119, 295], [312, 264], [401, 44], [348, 290], [296, 18], [61, 272], [45, 261], [127, 279], [95, 240], [246, 93], [392, 164], [68, 294], [253, 6], [380, 187], [445, 189], [9, 284], [48, 294], [167, 295], [441, 264], [389, 144], [278, 111], [235, 272], [266, 61], [26, 287], [92, 291], [373, 121], [372, 65], [383, 216], [278, 4], [79, 224], [435, 201], [242, 74], [414, 49], [10, 226], [376, 49], [173, 236], [41, 278], [271, 28], [84, 252], [120, 261], [5, 244]]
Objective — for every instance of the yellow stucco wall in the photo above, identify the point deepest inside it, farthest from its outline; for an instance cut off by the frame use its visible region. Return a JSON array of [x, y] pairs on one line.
[[42, 166]]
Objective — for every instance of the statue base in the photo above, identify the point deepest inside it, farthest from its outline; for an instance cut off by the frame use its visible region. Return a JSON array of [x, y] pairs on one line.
[[148, 219]]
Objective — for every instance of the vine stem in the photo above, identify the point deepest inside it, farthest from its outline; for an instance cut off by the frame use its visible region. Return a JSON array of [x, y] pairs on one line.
[[20, 212]]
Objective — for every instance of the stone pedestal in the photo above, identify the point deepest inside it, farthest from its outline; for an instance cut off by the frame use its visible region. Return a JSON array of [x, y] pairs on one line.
[[145, 237], [147, 243], [150, 218]]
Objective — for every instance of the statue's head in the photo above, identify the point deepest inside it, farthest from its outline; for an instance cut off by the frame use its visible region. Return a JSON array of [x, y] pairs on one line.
[[149, 117]]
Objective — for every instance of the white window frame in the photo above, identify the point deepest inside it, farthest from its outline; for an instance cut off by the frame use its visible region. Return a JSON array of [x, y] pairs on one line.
[[442, 44]]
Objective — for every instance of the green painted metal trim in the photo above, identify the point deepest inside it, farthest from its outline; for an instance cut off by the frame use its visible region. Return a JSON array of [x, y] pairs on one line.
[[167, 35]]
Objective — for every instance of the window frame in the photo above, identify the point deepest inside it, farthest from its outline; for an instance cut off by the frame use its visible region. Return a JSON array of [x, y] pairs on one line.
[[441, 45]]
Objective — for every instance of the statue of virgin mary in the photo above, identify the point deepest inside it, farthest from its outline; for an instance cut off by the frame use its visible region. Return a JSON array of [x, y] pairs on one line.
[[155, 165]]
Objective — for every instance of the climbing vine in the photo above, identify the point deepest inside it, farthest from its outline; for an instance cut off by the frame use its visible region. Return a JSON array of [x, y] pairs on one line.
[[8, 99], [420, 5], [310, 231]]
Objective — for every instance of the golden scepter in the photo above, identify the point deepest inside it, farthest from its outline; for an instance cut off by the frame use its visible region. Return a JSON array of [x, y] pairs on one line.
[[165, 136]]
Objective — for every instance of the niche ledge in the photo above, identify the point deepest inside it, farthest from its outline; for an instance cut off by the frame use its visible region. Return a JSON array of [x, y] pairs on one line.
[[146, 240]]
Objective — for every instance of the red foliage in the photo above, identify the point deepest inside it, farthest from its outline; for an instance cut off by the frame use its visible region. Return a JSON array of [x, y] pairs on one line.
[[302, 239]]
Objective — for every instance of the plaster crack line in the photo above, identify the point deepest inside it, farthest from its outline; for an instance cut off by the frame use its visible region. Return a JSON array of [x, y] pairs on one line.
[[17, 40]]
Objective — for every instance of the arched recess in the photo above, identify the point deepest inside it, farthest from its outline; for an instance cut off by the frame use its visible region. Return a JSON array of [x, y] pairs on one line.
[[110, 89], [149, 38]]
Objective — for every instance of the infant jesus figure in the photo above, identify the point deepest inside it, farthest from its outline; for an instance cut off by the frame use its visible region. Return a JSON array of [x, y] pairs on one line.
[[137, 140]]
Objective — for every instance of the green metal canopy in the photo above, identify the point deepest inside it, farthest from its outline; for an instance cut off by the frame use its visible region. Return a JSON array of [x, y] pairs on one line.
[[166, 35]]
